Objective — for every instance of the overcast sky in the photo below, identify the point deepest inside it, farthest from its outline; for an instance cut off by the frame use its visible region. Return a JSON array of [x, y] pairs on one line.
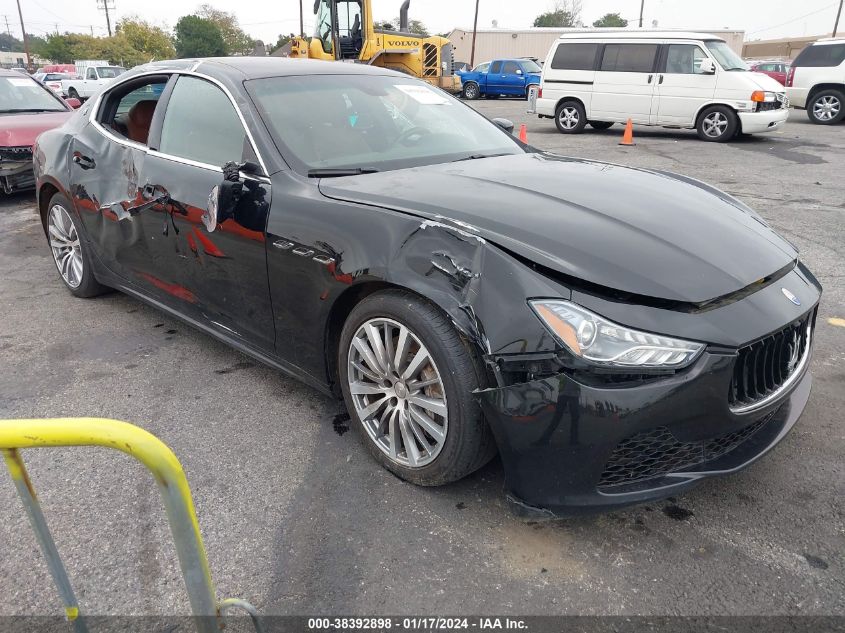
[[266, 19]]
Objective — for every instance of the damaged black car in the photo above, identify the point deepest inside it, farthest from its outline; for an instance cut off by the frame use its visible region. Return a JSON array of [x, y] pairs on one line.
[[615, 334]]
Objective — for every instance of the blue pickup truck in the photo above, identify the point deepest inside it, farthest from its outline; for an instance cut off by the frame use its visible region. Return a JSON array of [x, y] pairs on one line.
[[500, 77]]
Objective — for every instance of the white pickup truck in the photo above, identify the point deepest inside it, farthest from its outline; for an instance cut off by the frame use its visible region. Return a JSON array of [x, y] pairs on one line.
[[90, 78]]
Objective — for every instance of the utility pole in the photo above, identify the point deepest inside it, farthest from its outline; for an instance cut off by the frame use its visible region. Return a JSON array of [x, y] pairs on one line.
[[838, 15], [301, 21], [103, 5], [25, 38], [8, 32], [474, 29], [642, 7]]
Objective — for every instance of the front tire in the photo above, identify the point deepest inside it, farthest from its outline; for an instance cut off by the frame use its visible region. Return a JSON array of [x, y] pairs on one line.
[[472, 91], [570, 117], [407, 378], [826, 107], [70, 253], [72, 94], [717, 124]]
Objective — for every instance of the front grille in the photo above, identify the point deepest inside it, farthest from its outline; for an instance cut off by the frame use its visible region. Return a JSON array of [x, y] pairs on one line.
[[658, 452], [765, 106], [16, 154], [763, 368]]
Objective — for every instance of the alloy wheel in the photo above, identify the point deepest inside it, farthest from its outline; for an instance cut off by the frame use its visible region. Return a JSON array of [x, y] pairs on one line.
[[64, 243], [715, 124], [397, 392], [569, 117], [827, 108], [471, 91]]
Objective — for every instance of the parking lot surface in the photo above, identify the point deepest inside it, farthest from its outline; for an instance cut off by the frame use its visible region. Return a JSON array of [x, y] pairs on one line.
[[298, 519]]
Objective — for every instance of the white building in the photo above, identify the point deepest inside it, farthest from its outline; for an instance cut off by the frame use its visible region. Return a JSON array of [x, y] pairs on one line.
[[17, 59], [536, 42]]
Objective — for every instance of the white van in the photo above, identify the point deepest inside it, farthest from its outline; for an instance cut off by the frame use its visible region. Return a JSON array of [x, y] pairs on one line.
[[670, 79]]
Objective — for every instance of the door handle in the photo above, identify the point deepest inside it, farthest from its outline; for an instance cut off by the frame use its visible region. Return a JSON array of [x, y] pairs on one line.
[[660, 80], [650, 78], [83, 161]]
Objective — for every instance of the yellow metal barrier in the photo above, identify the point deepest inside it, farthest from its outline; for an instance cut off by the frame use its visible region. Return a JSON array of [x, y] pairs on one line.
[[172, 483]]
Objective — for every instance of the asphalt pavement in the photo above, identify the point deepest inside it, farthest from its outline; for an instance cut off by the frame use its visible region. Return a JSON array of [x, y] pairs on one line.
[[298, 519]]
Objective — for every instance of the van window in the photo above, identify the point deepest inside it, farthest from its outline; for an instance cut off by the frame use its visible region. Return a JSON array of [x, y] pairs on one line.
[[629, 58], [496, 67], [821, 55], [575, 57], [684, 59]]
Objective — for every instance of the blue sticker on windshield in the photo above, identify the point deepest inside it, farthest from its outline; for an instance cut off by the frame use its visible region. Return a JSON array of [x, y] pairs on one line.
[[353, 119]]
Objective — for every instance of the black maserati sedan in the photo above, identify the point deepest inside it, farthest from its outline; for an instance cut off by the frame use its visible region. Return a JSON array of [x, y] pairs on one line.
[[616, 334]]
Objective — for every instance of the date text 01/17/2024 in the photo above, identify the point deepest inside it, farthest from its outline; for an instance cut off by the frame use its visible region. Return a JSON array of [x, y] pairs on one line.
[[422, 623]]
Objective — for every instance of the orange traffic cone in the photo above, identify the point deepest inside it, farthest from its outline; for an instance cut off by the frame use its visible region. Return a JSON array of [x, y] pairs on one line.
[[628, 136], [523, 133]]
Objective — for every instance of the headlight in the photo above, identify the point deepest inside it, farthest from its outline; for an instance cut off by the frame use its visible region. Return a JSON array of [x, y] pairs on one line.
[[760, 96], [597, 340]]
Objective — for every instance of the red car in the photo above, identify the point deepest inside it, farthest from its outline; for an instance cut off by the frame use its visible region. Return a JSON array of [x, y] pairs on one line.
[[776, 70], [27, 108]]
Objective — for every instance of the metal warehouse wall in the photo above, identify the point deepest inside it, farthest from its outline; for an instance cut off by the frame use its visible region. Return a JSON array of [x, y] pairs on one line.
[[787, 48], [492, 43]]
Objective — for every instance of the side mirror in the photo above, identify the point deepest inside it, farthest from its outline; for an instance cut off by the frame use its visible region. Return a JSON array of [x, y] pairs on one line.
[[505, 124], [707, 67], [73, 102]]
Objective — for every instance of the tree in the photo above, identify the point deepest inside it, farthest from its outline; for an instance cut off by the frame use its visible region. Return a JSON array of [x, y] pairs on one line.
[[152, 42], [414, 26], [386, 25], [10, 43], [611, 20], [198, 37], [237, 42], [565, 13]]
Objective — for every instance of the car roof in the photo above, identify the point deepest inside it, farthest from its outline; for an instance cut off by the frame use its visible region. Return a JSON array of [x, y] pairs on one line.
[[639, 34], [259, 67], [828, 40]]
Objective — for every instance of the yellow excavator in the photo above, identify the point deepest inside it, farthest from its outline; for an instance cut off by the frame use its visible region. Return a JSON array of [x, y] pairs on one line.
[[344, 32]]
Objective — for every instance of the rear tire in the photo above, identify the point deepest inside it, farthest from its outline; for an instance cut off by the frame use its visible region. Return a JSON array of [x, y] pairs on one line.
[[570, 117], [717, 124], [827, 107], [471, 91], [601, 125], [70, 252], [460, 441]]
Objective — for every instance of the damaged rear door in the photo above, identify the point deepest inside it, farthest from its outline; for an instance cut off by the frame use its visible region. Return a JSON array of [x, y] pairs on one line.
[[106, 184]]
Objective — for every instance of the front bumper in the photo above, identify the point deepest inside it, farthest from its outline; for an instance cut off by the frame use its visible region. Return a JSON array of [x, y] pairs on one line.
[[767, 121], [558, 438], [16, 176]]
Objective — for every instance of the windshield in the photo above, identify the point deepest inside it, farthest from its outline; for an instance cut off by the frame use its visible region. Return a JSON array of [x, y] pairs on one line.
[[531, 66], [109, 72], [372, 122], [725, 55], [22, 94]]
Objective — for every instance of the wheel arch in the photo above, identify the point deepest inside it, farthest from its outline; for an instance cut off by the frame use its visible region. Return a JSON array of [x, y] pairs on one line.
[[44, 194], [824, 86], [563, 100], [710, 104]]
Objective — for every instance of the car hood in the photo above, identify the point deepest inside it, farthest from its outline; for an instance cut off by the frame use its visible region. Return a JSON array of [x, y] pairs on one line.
[[631, 230], [22, 129], [765, 82]]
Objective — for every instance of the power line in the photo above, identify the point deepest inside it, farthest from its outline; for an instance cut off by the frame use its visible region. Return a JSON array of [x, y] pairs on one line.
[[800, 17]]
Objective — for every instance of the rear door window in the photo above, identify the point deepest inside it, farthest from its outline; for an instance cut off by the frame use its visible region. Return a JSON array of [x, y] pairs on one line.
[[510, 68], [575, 57], [629, 58], [201, 124], [496, 67], [821, 55]]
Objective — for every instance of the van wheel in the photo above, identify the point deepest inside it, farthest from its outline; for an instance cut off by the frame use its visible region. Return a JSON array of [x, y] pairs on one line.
[[717, 124], [570, 118], [471, 91], [601, 125], [827, 107]]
